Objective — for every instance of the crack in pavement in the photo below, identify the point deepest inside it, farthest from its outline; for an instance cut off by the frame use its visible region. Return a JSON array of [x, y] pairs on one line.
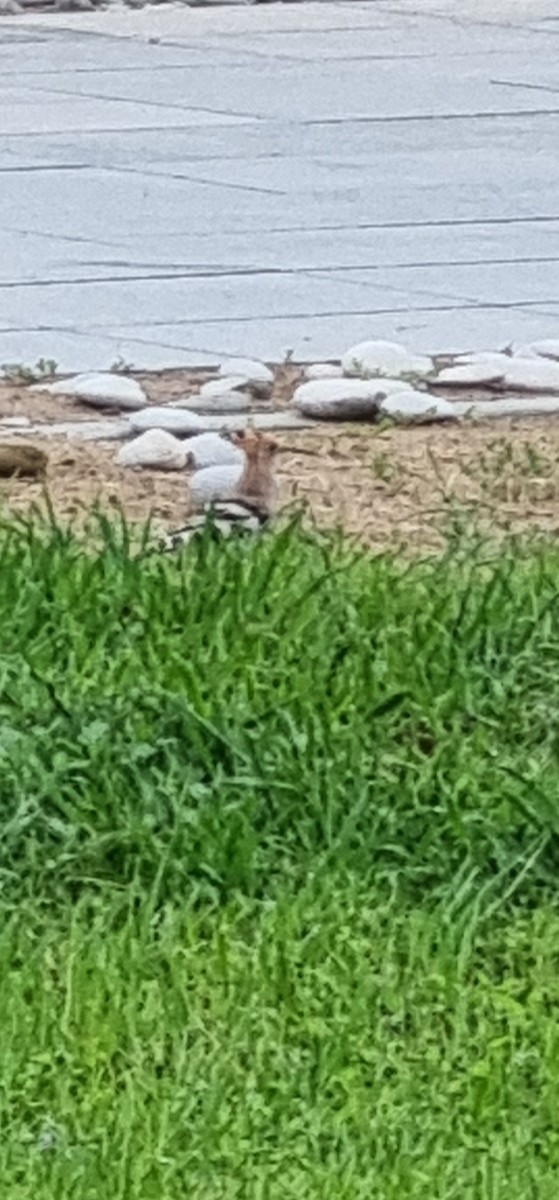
[[167, 105], [423, 117], [272, 122], [531, 87], [443, 223], [219, 183], [44, 167], [122, 130], [147, 273], [481, 306]]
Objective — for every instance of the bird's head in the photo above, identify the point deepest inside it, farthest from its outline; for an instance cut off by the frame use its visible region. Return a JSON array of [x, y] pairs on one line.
[[256, 445]]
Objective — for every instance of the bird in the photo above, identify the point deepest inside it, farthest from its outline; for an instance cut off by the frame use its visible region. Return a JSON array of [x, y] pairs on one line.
[[253, 493]]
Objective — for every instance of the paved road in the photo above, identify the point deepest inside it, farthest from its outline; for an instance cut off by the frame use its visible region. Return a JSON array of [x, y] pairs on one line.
[[278, 178]]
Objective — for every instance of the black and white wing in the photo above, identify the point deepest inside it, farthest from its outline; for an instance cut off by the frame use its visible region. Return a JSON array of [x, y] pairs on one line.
[[222, 519]]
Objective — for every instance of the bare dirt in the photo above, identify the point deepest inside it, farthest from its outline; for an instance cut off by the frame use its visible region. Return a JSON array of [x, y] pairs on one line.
[[390, 487]]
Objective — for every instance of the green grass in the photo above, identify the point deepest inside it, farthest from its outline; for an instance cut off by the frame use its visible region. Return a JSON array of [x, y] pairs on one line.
[[278, 871], [319, 1046]]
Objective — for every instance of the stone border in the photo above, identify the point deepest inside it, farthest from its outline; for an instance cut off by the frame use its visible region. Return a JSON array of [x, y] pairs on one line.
[[374, 381], [14, 8]]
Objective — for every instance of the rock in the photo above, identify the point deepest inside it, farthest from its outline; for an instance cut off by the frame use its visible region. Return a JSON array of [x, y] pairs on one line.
[[102, 390], [549, 348], [174, 420], [492, 358], [10, 8], [85, 431], [532, 375], [228, 402], [256, 420], [489, 409], [384, 358], [323, 371], [417, 408], [225, 402], [223, 387], [211, 450], [501, 370], [232, 422], [475, 374], [214, 483], [74, 6], [22, 460], [154, 448], [343, 399], [521, 350], [252, 370], [15, 422]]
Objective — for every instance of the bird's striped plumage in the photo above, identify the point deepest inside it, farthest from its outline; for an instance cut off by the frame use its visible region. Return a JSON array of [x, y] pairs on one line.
[[223, 518], [245, 512]]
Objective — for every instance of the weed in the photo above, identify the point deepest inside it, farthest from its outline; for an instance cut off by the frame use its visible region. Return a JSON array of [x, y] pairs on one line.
[[121, 367], [515, 472], [383, 468], [18, 373]]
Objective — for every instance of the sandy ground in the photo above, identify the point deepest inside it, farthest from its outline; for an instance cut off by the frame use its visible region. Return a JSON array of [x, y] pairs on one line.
[[390, 487]]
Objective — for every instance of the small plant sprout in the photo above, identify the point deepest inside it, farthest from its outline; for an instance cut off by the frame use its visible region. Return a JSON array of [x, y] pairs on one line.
[[17, 373]]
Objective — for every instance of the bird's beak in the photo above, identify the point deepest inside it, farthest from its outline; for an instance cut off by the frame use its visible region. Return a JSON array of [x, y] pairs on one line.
[[298, 450]]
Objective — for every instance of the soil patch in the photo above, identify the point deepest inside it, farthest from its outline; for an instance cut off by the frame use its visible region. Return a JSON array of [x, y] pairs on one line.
[[387, 486]]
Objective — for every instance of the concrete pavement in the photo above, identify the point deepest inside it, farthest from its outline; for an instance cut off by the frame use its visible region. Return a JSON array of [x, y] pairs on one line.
[[178, 184]]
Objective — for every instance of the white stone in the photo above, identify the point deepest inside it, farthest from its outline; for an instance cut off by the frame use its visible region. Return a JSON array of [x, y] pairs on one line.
[[154, 448], [253, 371], [520, 350], [256, 420], [529, 375], [214, 483], [84, 431], [416, 407], [488, 358], [490, 409], [100, 389], [549, 348], [211, 450], [384, 358], [475, 374], [223, 387], [323, 371], [524, 371], [343, 399], [225, 402], [175, 420], [15, 422]]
